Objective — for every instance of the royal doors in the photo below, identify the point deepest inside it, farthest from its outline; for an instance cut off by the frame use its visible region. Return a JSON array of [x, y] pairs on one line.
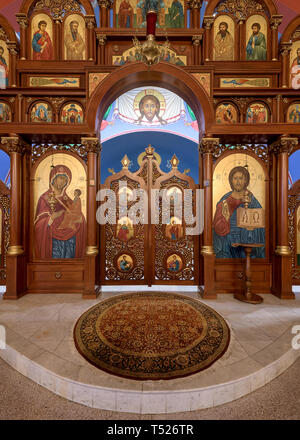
[[163, 247]]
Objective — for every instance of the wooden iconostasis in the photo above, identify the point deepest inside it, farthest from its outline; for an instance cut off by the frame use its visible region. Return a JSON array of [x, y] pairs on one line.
[[76, 78]]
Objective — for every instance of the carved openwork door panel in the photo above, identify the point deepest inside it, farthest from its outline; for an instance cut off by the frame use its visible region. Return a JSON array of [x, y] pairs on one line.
[[294, 230], [157, 250], [175, 254], [4, 229], [123, 243]]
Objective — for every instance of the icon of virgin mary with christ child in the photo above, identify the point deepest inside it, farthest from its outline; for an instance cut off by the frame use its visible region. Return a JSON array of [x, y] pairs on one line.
[[59, 226]]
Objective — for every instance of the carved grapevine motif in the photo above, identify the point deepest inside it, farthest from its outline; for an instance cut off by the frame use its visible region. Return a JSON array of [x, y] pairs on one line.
[[260, 151], [241, 9], [294, 203], [39, 149], [58, 8], [5, 207]]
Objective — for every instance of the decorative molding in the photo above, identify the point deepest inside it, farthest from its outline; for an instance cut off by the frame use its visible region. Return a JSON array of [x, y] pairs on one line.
[[284, 251]]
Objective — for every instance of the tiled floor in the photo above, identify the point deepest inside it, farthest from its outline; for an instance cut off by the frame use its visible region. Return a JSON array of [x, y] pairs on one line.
[[40, 345]]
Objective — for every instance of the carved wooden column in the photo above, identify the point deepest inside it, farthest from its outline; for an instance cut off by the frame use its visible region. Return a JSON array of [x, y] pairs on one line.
[[58, 37], [241, 47], [16, 264], [285, 50], [93, 148], [90, 24], [195, 6], [208, 22], [23, 22], [282, 262], [196, 43], [104, 7], [101, 52], [12, 48], [207, 147], [278, 108], [275, 22]]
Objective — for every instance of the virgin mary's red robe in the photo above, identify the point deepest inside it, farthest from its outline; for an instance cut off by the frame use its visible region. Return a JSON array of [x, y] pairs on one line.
[[44, 233]]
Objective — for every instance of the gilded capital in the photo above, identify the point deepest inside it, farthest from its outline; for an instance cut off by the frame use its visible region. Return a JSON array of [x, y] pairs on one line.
[[105, 4], [102, 39], [284, 144], [14, 144], [12, 47], [195, 4], [90, 21], [22, 20], [196, 39], [285, 49], [275, 21], [208, 21], [92, 145], [208, 145]]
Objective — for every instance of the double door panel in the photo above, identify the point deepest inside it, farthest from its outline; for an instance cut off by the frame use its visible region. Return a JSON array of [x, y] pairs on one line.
[[159, 251]]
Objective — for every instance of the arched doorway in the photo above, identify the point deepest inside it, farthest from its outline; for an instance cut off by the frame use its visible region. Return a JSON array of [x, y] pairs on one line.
[[152, 253]]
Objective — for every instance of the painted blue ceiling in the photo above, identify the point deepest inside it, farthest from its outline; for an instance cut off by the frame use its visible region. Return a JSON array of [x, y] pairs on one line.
[[165, 145]]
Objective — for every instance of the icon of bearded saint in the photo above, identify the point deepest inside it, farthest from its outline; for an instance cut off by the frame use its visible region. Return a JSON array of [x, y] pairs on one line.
[[74, 42], [224, 45]]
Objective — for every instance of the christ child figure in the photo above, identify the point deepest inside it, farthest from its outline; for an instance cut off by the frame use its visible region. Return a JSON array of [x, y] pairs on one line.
[[73, 213]]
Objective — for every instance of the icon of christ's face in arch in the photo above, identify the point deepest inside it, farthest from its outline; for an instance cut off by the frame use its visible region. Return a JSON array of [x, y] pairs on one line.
[[149, 107]]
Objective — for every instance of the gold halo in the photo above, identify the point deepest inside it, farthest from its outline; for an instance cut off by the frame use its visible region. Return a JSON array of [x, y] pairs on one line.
[[142, 155], [146, 92]]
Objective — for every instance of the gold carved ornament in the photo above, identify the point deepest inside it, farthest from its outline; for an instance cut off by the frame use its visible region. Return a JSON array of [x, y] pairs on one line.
[[241, 9], [58, 8]]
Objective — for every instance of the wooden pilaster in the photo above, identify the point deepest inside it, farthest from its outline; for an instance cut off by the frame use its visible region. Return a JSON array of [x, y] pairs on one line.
[[16, 264], [93, 148], [23, 22], [207, 147], [285, 50], [282, 260]]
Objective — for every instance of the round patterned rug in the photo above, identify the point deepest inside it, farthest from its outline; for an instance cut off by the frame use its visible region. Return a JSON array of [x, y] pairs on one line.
[[151, 336]]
